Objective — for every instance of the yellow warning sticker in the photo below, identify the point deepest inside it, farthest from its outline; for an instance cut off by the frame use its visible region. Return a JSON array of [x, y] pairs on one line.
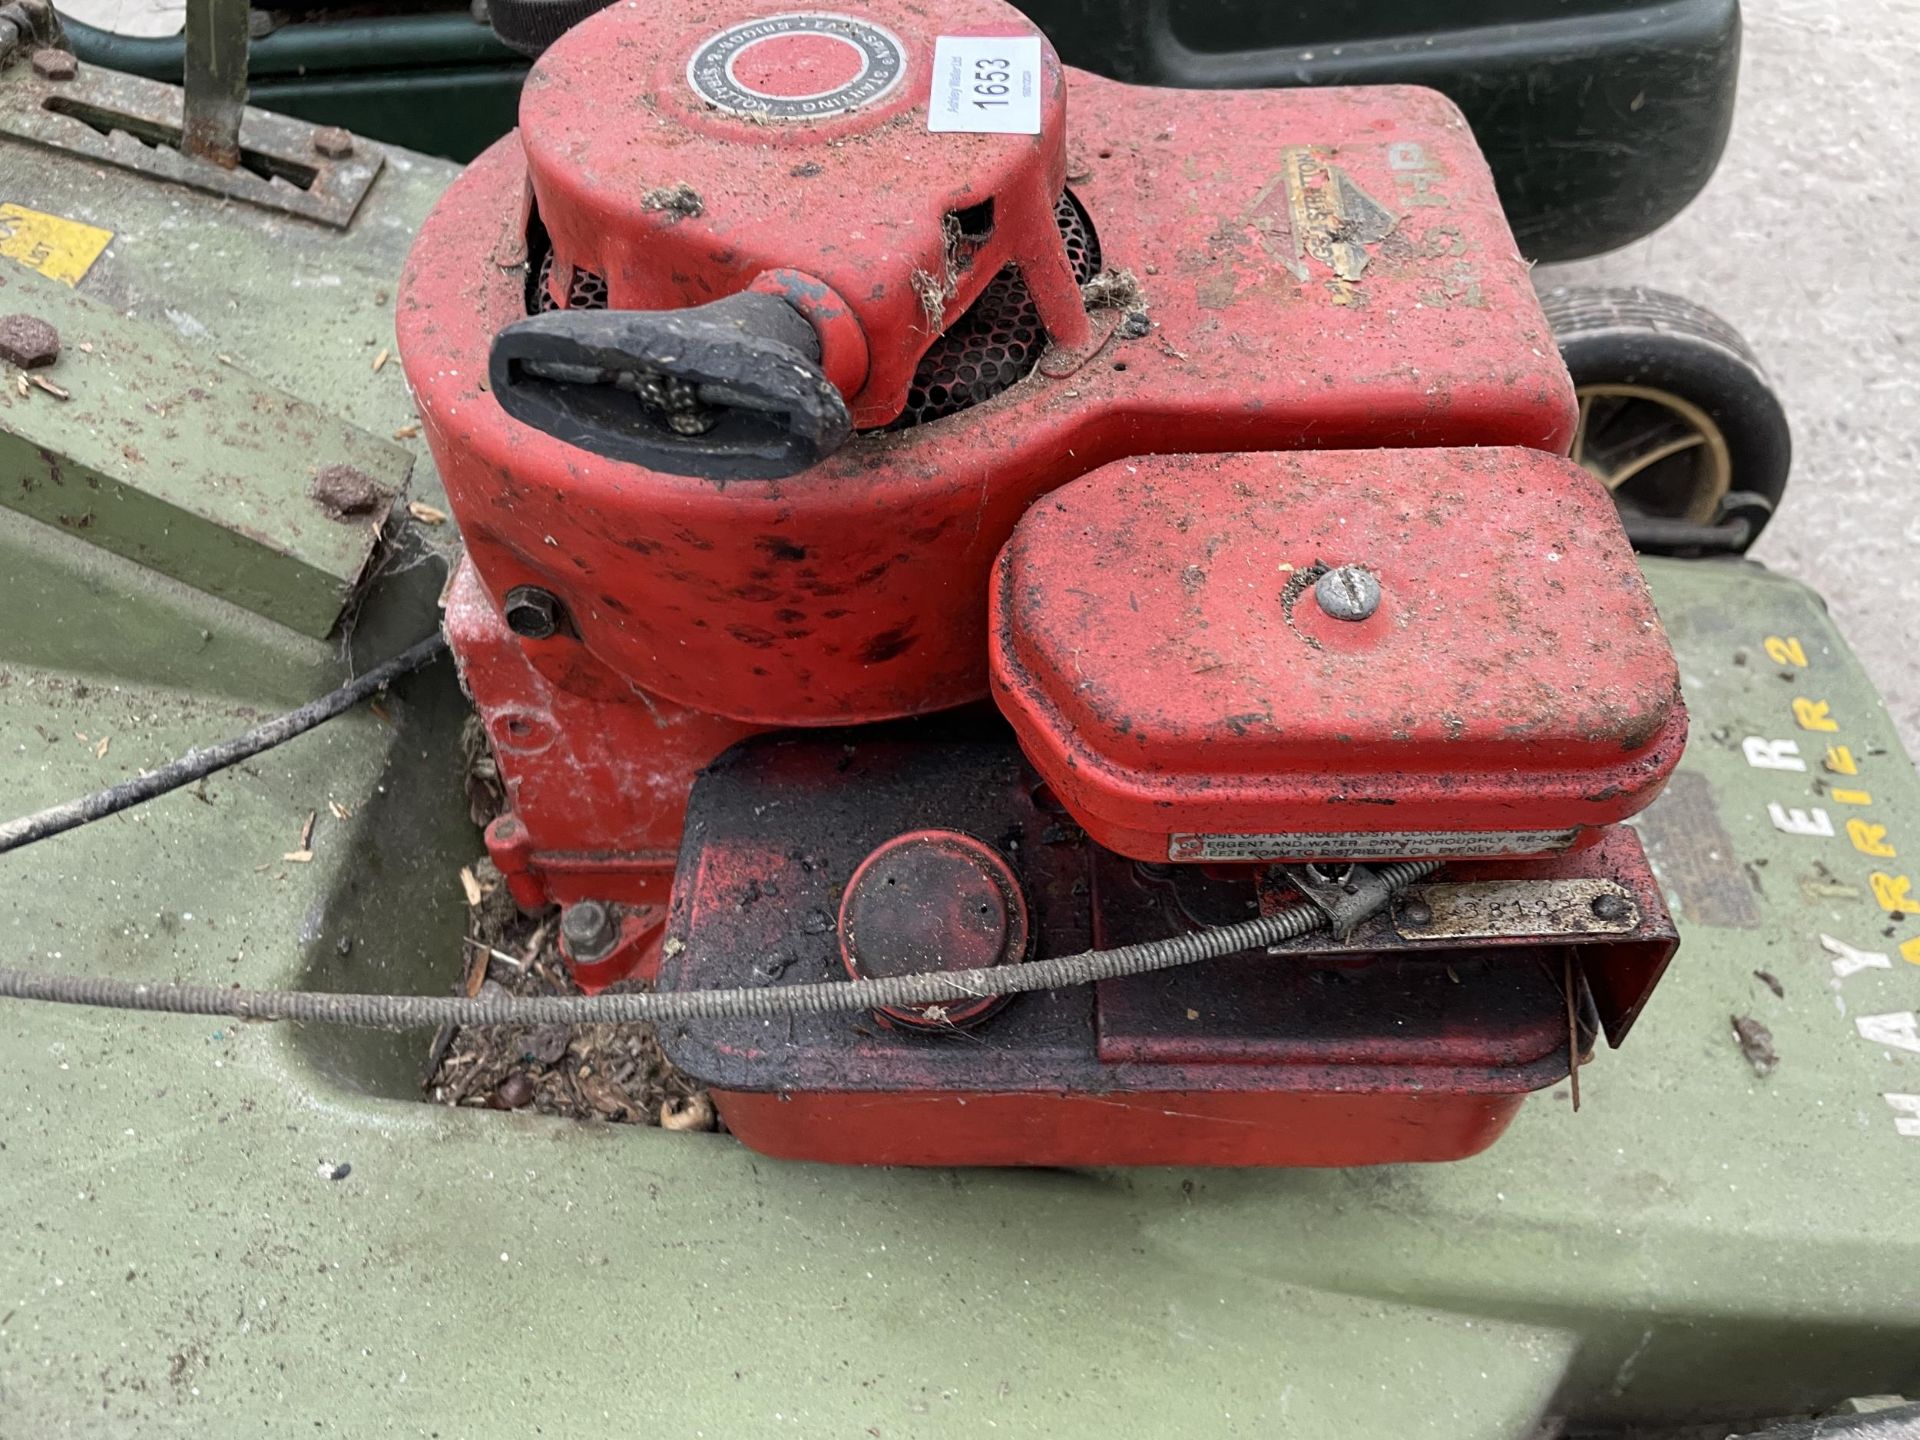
[[62, 250]]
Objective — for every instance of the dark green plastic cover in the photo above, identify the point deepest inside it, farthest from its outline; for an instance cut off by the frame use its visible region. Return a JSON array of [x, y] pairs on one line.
[[1601, 118]]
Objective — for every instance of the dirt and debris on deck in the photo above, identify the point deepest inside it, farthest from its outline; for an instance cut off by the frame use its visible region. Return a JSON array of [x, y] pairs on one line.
[[586, 1072], [678, 201], [345, 492], [1756, 1044]]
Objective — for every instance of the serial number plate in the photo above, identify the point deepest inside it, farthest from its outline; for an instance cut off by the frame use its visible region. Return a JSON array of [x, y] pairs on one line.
[[1383, 845], [985, 85]]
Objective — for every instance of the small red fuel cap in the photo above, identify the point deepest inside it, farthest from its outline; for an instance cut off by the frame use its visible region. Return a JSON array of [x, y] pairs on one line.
[[933, 900]]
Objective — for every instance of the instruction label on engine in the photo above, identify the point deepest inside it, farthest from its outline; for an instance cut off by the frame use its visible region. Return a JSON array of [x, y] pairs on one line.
[[985, 85], [1380, 845], [1314, 209]]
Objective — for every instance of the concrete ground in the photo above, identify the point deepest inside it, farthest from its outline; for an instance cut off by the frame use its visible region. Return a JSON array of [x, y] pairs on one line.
[[1808, 241]]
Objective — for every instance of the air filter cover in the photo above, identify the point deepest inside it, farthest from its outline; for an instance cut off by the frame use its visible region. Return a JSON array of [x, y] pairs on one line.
[[1485, 676]]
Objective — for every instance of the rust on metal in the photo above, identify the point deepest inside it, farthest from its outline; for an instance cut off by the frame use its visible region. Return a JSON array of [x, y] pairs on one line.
[[52, 64], [1515, 907], [216, 81], [332, 142], [140, 125]]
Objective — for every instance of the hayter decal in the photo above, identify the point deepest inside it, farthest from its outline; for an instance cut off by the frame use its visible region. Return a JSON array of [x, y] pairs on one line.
[[1852, 820]]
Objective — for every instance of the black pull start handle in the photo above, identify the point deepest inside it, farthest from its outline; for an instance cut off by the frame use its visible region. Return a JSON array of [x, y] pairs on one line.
[[730, 390]]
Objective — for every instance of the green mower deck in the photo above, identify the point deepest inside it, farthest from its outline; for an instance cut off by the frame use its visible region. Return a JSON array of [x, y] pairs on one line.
[[219, 1229]]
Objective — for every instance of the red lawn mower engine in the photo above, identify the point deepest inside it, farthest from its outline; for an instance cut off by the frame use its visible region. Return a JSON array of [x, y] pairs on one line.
[[802, 379]]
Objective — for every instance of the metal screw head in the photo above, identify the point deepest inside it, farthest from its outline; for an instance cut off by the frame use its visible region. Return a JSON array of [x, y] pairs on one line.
[[589, 929], [1609, 907], [51, 64], [1416, 912], [1349, 593], [332, 142], [532, 613]]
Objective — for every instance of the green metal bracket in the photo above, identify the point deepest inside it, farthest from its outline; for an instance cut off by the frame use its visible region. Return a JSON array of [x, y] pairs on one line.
[[169, 457]]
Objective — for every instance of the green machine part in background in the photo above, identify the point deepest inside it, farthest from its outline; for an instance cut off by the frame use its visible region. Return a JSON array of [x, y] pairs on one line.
[[1601, 119], [434, 80]]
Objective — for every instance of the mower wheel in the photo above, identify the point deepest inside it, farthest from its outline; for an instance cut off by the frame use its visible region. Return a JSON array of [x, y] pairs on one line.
[[1676, 417]]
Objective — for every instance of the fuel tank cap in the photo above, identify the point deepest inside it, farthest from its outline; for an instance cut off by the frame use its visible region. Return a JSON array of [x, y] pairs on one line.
[[933, 900]]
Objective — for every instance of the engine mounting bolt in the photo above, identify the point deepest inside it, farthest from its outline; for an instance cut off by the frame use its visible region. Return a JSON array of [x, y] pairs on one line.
[[332, 142], [1349, 593], [28, 341], [1416, 913], [532, 613], [52, 64], [589, 929], [1609, 907]]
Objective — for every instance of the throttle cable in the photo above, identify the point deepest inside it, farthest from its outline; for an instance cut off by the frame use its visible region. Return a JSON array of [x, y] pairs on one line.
[[407, 1012]]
